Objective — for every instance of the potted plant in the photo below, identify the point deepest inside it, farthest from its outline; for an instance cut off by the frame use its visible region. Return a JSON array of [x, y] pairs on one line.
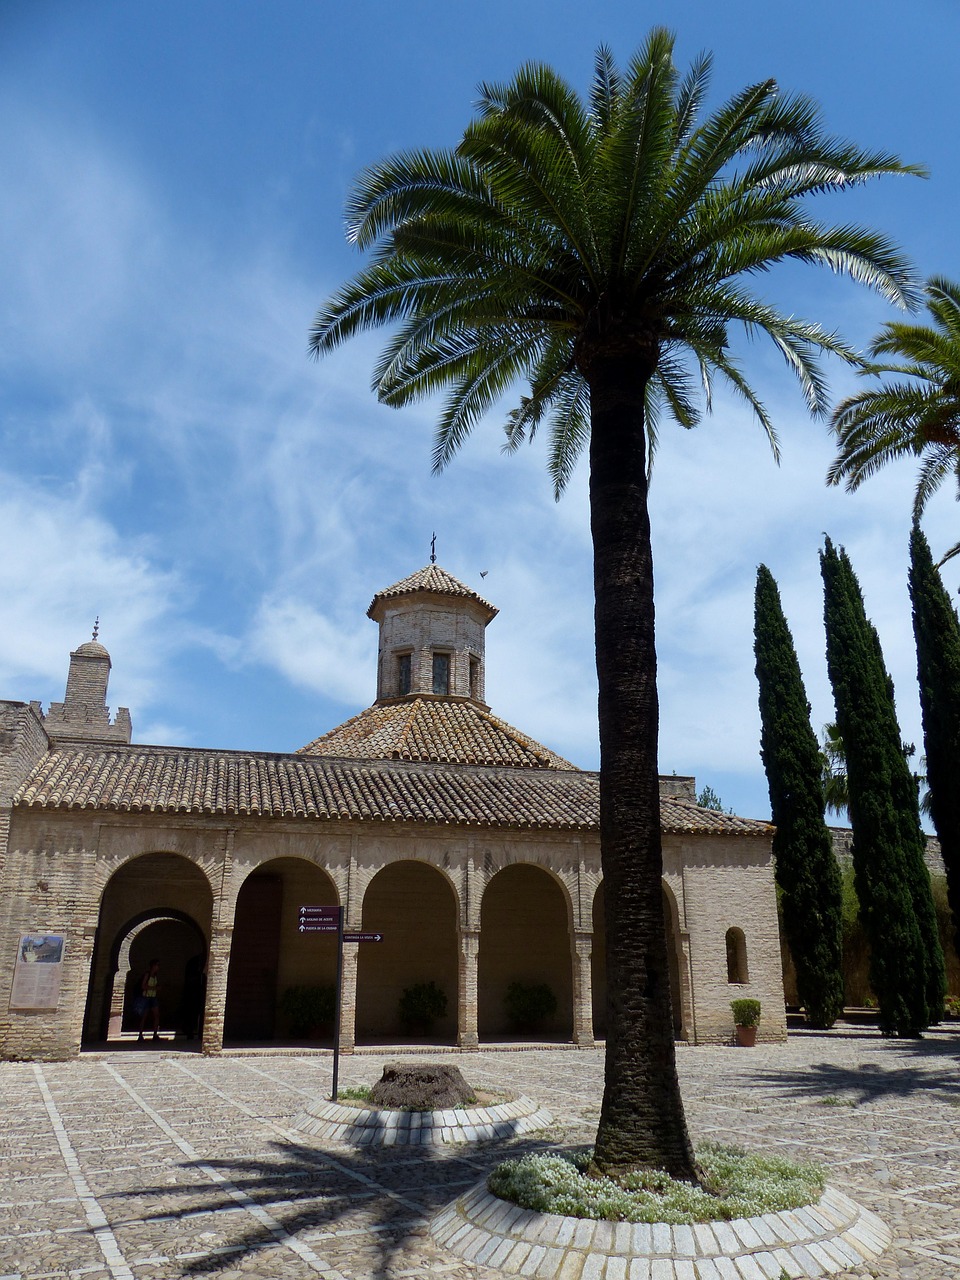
[[308, 1010], [746, 1016], [420, 1006], [528, 1005]]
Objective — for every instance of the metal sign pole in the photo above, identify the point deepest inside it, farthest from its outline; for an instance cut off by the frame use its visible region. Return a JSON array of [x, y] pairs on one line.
[[336, 1029]]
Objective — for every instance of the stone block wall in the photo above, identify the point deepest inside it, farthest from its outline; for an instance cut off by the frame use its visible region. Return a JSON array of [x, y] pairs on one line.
[[23, 741], [48, 886], [728, 884], [411, 627]]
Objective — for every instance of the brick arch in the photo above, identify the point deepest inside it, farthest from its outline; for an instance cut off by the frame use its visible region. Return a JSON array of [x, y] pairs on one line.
[[268, 954], [415, 905], [147, 886], [106, 869], [242, 867], [526, 917], [566, 882], [364, 875]]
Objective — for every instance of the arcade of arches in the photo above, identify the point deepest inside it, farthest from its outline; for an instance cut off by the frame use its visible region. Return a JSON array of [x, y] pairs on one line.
[[472, 849], [161, 906]]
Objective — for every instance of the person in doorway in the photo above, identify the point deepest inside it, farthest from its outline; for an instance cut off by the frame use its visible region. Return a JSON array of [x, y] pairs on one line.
[[150, 1000]]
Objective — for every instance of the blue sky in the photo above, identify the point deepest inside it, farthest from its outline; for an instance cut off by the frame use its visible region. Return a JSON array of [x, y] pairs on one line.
[[172, 179]]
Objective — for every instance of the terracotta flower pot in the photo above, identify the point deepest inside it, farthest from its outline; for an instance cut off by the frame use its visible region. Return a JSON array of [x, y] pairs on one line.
[[746, 1037]]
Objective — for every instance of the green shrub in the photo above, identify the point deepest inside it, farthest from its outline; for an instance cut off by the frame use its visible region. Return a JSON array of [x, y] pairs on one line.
[[951, 1006], [421, 1005], [528, 1004], [746, 1012], [306, 1008]]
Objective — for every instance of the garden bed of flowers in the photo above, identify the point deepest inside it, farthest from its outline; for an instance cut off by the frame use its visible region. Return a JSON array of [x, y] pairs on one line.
[[738, 1185]]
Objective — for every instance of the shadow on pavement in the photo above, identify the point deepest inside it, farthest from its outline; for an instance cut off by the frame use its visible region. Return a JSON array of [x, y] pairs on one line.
[[935, 1057], [314, 1194]]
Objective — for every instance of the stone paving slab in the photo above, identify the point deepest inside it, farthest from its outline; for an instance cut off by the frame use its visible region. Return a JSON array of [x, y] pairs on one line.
[[157, 1165]]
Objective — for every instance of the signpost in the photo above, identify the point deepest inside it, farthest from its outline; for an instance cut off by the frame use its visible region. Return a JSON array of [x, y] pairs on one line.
[[330, 920], [319, 919]]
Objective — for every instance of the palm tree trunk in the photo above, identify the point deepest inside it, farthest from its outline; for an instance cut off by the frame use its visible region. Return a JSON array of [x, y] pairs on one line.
[[642, 1121]]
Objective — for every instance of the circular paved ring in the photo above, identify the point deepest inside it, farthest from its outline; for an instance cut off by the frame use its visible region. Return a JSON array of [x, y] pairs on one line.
[[368, 1127], [833, 1235]]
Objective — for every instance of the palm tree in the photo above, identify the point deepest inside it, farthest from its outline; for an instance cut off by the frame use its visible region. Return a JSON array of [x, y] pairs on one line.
[[836, 785], [599, 251], [833, 764], [917, 415]]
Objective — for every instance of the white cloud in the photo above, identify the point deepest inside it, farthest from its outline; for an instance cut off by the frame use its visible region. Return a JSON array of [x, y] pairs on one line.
[[62, 565], [316, 652]]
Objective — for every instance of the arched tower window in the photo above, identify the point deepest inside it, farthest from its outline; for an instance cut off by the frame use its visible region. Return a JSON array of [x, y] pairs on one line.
[[737, 957]]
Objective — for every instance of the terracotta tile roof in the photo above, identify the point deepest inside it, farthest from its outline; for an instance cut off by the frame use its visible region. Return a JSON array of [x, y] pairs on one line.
[[684, 817], [134, 779], [434, 730], [431, 578]]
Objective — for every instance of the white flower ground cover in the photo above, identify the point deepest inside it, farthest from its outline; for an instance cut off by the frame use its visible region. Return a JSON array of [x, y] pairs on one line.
[[743, 1185]]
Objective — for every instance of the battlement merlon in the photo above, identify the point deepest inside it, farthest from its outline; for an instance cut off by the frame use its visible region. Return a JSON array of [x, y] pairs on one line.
[[23, 741]]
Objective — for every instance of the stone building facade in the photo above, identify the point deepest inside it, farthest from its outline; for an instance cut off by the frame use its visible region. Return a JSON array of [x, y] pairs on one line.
[[472, 849]]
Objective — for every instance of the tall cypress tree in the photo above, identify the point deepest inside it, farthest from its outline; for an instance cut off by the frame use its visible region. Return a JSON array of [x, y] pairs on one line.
[[806, 868], [893, 887], [937, 632]]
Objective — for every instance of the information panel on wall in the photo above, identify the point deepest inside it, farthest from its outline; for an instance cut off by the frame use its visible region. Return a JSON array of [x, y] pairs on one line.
[[38, 971]]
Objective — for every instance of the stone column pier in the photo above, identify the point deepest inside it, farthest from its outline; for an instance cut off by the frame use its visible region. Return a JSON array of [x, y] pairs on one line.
[[348, 997], [467, 1036], [581, 956], [215, 1005]]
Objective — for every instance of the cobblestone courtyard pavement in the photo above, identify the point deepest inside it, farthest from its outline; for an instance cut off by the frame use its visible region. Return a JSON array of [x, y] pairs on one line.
[[157, 1164]]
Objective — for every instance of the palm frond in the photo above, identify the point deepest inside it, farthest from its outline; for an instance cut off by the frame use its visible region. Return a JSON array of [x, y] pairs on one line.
[[915, 408], [691, 93], [638, 146], [414, 184], [937, 463], [728, 368], [478, 386], [569, 430], [606, 90], [550, 373]]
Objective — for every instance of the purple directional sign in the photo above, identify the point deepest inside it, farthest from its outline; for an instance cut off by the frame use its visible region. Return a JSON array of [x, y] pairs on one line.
[[363, 937], [318, 920]]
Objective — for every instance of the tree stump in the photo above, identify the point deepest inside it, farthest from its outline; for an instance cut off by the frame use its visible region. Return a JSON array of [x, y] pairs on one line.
[[420, 1086]]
